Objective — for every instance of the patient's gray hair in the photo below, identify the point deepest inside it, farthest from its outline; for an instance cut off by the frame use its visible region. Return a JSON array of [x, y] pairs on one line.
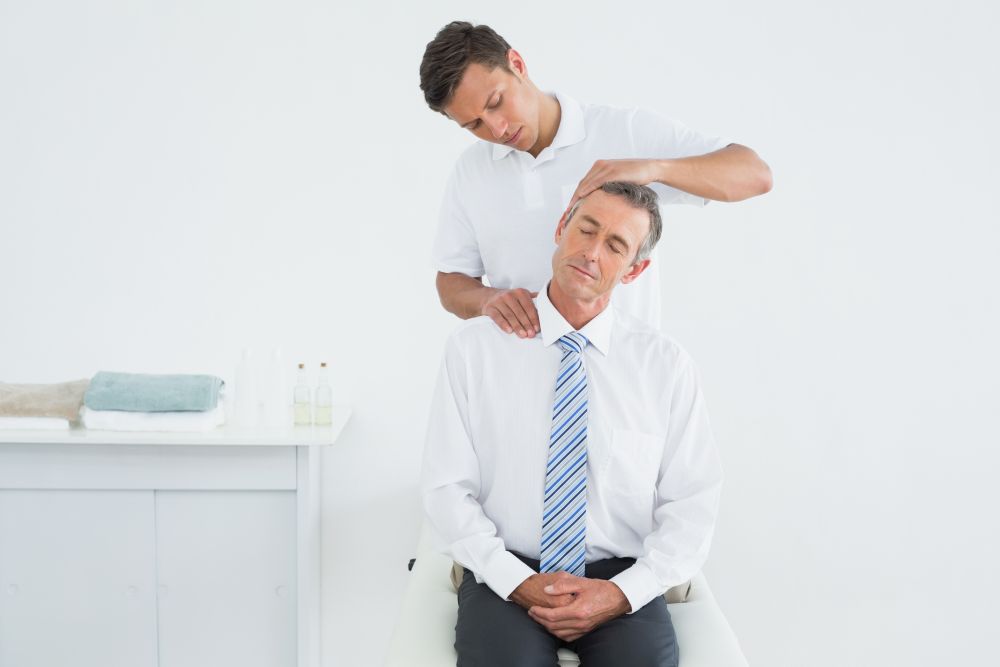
[[637, 196]]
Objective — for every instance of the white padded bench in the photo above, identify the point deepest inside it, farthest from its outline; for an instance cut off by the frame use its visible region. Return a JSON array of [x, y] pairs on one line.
[[425, 632]]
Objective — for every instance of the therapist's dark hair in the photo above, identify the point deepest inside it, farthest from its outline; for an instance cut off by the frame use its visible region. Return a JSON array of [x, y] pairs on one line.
[[640, 197], [456, 46]]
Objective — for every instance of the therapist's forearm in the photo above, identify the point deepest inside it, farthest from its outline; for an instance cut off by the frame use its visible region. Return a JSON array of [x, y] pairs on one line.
[[730, 174], [511, 309], [462, 295]]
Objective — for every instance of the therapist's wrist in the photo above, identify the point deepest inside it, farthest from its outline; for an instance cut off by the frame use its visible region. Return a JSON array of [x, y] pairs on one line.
[[662, 170], [483, 298], [462, 295]]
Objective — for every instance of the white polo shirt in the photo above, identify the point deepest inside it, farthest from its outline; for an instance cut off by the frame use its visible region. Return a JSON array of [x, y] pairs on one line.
[[501, 206]]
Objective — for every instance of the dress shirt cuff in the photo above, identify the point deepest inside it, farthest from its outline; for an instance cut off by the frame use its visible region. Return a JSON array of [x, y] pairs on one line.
[[639, 585], [504, 572]]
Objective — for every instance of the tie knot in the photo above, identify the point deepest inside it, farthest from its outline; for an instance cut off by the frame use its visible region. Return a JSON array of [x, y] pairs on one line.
[[574, 341]]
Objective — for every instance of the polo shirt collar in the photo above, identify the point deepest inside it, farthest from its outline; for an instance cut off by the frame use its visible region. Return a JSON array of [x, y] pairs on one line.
[[569, 132], [554, 325]]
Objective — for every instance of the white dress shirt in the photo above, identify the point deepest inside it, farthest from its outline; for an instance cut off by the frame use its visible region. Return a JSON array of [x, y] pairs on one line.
[[501, 206], [653, 470]]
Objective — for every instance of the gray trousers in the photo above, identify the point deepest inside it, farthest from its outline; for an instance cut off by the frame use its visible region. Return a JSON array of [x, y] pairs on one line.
[[492, 632]]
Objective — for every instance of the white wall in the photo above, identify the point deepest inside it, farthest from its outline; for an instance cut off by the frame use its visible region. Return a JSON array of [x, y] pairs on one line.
[[178, 180]]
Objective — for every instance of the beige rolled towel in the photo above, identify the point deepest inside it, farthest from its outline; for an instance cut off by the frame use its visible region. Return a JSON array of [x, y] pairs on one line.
[[62, 400]]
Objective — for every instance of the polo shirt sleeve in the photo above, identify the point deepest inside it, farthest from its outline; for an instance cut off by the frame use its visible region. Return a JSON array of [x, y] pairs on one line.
[[456, 249], [656, 136], [688, 489]]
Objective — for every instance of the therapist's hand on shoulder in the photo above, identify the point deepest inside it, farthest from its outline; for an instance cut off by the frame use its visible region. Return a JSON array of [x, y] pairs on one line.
[[595, 601], [513, 311], [640, 172]]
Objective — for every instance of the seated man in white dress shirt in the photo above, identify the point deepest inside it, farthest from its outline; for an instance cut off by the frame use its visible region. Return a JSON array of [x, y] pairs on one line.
[[573, 475]]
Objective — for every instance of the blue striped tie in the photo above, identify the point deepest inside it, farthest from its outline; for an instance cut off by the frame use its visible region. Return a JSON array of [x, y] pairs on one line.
[[564, 510]]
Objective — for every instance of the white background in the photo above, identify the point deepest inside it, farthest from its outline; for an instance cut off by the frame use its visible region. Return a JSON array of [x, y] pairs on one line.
[[182, 179]]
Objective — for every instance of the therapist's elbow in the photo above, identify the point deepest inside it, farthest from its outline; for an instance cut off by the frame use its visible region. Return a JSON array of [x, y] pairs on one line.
[[754, 184], [764, 181], [752, 177], [759, 180], [446, 285], [451, 287]]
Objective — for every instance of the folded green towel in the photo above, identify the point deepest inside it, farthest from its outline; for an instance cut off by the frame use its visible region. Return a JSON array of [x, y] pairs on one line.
[[152, 393]]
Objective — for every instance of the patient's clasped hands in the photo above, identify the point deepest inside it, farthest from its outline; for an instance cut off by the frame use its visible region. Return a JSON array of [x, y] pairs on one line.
[[569, 606]]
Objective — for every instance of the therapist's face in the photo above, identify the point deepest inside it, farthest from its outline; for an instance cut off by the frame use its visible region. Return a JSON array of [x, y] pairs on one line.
[[597, 247], [498, 106]]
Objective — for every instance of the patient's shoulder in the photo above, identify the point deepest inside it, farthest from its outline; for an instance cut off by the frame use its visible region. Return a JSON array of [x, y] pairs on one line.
[[638, 334], [479, 341], [473, 327], [478, 331]]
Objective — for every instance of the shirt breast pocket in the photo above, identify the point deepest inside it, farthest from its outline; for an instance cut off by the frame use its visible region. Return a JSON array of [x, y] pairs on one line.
[[635, 462]]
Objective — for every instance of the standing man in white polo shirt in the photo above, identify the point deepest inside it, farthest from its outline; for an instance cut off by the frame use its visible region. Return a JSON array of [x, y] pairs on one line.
[[503, 201]]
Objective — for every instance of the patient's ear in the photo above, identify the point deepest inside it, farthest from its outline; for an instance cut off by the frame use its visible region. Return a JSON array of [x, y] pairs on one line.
[[635, 271]]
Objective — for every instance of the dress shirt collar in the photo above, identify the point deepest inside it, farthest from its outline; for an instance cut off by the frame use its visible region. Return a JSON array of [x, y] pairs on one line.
[[570, 131], [554, 325]]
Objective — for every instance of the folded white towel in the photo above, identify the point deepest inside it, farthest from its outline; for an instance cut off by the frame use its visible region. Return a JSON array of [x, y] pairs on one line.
[[168, 422], [33, 424]]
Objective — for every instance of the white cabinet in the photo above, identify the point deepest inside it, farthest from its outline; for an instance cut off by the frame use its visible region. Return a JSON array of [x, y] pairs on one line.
[[78, 574], [226, 578], [182, 550]]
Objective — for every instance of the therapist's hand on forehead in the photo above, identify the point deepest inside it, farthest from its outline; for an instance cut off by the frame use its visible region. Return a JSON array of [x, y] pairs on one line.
[[640, 172], [732, 173]]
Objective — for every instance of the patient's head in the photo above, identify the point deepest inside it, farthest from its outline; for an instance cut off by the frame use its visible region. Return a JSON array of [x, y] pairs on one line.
[[606, 239]]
